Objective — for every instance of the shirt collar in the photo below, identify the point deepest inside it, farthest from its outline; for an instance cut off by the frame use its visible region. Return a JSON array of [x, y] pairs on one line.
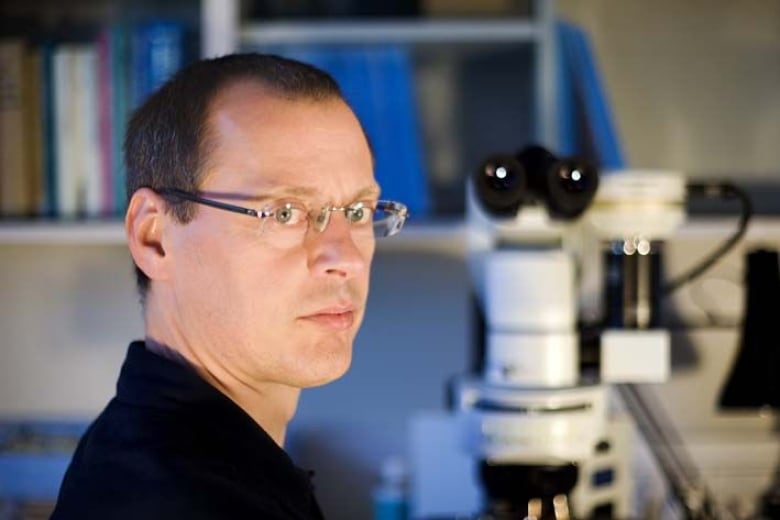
[[150, 380]]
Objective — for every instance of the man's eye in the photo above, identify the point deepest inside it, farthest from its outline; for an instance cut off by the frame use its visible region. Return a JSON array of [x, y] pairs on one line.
[[359, 215], [289, 215]]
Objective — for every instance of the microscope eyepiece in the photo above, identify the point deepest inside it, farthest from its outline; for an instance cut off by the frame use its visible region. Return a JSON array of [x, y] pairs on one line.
[[565, 186], [571, 186], [501, 184]]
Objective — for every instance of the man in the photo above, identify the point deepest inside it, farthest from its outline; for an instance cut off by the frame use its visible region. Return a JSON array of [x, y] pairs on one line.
[[252, 221]]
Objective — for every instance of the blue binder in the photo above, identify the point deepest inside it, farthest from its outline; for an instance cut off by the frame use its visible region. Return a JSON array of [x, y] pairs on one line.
[[583, 103], [377, 82]]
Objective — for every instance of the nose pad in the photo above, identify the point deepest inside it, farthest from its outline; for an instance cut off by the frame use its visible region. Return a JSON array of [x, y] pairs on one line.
[[322, 219]]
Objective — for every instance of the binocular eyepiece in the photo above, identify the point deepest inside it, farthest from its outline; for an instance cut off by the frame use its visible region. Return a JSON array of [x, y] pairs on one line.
[[504, 183]]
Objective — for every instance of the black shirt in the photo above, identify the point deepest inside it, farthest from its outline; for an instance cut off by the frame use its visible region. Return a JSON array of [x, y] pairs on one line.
[[169, 445]]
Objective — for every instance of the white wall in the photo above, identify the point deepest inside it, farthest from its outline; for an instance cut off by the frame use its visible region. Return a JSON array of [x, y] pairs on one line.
[[694, 84], [67, 314]]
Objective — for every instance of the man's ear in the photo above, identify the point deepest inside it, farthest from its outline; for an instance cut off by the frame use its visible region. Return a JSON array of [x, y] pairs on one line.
[[145, 222]]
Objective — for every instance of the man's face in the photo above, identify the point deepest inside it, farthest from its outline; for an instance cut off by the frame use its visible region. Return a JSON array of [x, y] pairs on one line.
[[251, 306]]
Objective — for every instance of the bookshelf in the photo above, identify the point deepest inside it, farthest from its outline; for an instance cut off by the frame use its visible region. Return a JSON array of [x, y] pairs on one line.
[[500, 80], [42, 232], [65, 271], [68, 301], [225, 31], [398, 31], [47, 263]]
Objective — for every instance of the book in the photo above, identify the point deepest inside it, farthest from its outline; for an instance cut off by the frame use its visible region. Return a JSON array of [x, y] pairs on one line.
[[86, 102], [79, 186], [378, 83], [85, 93], [119, 62], [590, 98], [105, 125], [16, 165], [34, 136], [395, 131], [157, 53], [63, 84], [48, 130]]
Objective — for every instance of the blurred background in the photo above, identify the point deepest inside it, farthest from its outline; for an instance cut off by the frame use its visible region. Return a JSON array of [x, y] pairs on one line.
[[439, 84]]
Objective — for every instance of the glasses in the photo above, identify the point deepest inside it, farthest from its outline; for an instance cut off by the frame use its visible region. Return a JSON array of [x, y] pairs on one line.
[[289, 221]]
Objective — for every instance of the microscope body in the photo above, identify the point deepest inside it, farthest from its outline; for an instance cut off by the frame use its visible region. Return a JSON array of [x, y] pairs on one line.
[[531, 415]]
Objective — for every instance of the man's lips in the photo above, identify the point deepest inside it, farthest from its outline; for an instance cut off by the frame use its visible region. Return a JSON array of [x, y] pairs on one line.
[[336, 318]]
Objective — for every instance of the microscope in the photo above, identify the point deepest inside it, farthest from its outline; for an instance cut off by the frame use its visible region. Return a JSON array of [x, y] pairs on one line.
[[534, 410]]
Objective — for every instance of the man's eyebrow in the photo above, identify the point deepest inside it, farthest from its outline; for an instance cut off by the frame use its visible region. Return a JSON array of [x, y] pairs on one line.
[[287, 191], [311, 193], [370, 191], [281, 191]]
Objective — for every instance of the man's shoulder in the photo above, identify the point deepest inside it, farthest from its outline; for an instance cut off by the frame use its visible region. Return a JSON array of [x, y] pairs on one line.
[[126, 426], [135, 461], [152, 487], [186, 496], [127, 439], [160, 481]]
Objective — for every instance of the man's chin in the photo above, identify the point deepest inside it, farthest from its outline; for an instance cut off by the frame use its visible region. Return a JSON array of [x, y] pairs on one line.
[[329, 371]]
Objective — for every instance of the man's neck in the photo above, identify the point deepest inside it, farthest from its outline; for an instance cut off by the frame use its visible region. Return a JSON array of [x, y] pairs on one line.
[[271, 405]]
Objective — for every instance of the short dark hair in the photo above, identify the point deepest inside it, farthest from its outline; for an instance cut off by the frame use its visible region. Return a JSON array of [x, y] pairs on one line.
[[167, 143]]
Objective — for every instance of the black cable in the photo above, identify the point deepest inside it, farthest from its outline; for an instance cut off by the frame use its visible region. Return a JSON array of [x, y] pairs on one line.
[[724, 191]]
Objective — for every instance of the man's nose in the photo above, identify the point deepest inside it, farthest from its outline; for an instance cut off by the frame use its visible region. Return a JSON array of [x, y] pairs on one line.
[[336, 251]]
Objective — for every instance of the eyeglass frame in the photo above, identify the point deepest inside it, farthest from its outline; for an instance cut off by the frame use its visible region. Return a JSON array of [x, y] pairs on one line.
[[397, 209]]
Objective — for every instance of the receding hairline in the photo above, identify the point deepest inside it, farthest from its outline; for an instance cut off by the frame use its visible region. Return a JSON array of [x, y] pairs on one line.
[[209, 138], [320, 92]]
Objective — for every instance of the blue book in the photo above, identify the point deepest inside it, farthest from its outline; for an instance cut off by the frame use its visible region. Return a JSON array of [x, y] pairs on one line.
[[119, 64], [400, 170], [49, 147], [378, 84], [583, 74], [569, 135], [157, 53]]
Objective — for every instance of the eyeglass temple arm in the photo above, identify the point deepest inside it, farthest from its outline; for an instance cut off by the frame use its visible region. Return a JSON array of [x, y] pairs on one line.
[[208, 202]]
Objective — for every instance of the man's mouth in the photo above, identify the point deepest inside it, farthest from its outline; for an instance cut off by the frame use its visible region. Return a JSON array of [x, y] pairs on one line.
[[335, 318]]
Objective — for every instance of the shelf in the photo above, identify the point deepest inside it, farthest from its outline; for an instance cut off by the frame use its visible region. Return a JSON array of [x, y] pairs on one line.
[[449, 232], [446, 236], [43, 232], [433, 234], [376, 32], [51, 232]]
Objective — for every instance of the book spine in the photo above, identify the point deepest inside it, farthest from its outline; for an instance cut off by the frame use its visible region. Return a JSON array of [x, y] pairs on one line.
[[65, 124], [105, 122], [598, 118], [401, 170], [378, 84], [157, 53], [34, 137], [14, 157], [86, 99], [119, 64], [49, 133]]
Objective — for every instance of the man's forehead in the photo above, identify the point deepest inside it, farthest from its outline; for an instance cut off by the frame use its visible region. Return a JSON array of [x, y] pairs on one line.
[[243, 87], [246, 93], [282, 147], [251, 102], [265, 191]]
